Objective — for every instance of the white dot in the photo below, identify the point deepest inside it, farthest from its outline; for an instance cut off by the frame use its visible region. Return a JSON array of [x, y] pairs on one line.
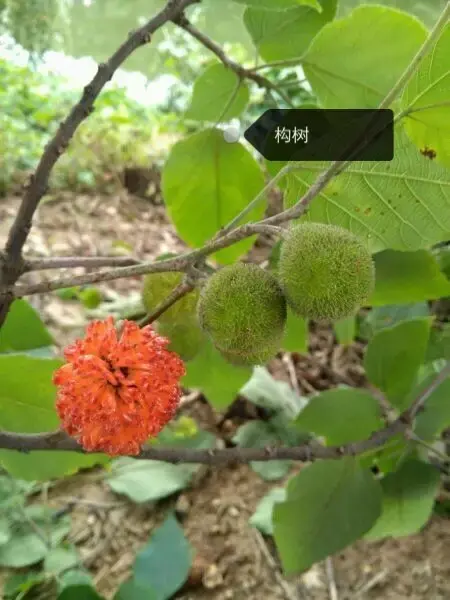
[[231, 134]]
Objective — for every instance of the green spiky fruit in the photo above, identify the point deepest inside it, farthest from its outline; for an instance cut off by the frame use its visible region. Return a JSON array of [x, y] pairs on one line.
[[158, 286], [185, 338], [325, 271], [243, 310]]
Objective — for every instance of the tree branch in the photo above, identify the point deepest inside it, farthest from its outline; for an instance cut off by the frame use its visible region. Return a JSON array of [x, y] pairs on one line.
[[70, 262], [58, 440], [240, 71], [179, 292]]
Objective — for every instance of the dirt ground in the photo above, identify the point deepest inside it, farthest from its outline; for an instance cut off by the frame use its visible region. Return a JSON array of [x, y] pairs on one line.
[[233, 561]]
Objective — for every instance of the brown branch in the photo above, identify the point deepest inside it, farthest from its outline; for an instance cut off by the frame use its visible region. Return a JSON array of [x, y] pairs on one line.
[[58, 440], [70, 262], [240, 71], [12, 263]]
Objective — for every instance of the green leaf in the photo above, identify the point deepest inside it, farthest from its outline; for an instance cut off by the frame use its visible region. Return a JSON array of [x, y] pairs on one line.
[[396, 205], [26, 547], [218, 95], [264, 390], [341, 415], [427, 97], [382, 317], [407, 277], [330, 504], [22, 582], [23, 329], [345, 330], [27, 405], [280, 4], [61, 559], [408, 499], [147, 480], [206, 182], [215, 377], [258, 434], [287, 34], [90, 297], [76, 592], [439, 344], [165, 562], [134, 590], [355, 61], [262, 517], [435, 417], [296, 334], [393, 358]]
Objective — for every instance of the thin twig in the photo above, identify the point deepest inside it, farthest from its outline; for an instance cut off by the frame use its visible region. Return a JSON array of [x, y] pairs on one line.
[[71, 262], [240, 71], [332, 587], [284, 585], [179, 292]]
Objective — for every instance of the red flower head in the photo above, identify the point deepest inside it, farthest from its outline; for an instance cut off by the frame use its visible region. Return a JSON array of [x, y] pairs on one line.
[[113, 394]]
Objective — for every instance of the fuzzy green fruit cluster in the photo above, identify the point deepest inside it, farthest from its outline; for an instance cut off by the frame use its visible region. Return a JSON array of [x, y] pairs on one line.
[[326, 272], [243, 310]]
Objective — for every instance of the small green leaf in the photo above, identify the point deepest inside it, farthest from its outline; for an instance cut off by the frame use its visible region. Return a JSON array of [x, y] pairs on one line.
[[259, 434], [427, 96], [27, 405], [219, 95], [262, 517], [296, 334], [147, 480], [354, 62], [408, 499], [382, 317], [134, 590], [277, 396], [341, 415], [26, 546], [393, 358], [22, 582], [61, 559], [76, 592], [345, 330], [330, 504], [90, 297], [435, 417], [280, 35], [206, 182], [215, 377], [23, 329], [407, 277], [163, 565]]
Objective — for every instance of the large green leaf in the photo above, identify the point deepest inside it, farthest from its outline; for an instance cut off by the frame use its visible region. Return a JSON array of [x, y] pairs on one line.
[[341, 415], [398, 204], [219, 95], [330, 504], [23, 329], [163, 564], [407, 277], [393, 358], [27, 405], [354, 62], [280, 35], [391, 314], [219, 380], [206, 182], [435, 416], [427, 97], [408, 498]]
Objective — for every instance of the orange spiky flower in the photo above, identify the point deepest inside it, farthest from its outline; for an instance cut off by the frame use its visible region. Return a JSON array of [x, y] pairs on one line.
[[114, 393]]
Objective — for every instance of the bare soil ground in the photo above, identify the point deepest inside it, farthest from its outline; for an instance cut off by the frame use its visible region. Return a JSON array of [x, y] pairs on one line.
[[233, 561]]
